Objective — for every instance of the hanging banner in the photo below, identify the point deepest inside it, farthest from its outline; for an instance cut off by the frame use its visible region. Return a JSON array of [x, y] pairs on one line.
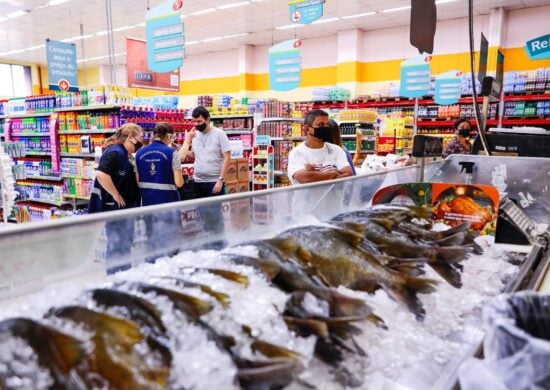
[[448, 87], [139, 76], [305, 11], [165, 37], [62, 68], [415, 77], [285, 65], [538, 48]]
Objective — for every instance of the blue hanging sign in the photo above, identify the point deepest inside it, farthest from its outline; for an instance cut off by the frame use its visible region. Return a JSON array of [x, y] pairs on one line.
[[539, 48], [62, 68], [415, 77], [165, 37], [448, 87], [285, 65], [305, 11]]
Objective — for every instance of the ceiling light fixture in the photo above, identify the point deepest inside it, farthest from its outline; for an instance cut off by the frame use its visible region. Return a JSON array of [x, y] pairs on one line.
[[56, 2], [204, 11], [191, 43], [3, 18], [212, 39], [396, 9], [289, 26], [234, 35], [444, 1], [233, 5], [17, 14], [123, 28], [358, 15], [321, 21]]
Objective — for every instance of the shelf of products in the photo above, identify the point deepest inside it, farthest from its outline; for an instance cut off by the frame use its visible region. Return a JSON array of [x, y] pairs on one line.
[[77, 155], [87, 131]]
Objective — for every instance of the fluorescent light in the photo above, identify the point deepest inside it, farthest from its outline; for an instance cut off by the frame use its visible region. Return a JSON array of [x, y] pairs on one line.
[[123, 28], [396, 9], [233, 5], [35, 47], [444, 1], [100, 33], [212, 39], [191, 43], [3, 18], [56, 2], [77, 38], [183, 16], [142, 24], [204, 11], [320, 21], [235, 35], [289, 26], [17, 14], [359, 15]]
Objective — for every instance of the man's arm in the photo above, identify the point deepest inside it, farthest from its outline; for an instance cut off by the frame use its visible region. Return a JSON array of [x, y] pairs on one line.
[[184, 151], [304, 176], [219, 184], [345, 172]]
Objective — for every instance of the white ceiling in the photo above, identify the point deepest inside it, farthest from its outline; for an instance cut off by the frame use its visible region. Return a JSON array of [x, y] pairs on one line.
[[22, 37]]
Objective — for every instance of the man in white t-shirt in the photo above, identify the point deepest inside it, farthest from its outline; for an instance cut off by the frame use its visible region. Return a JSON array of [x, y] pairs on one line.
[[316, 159]]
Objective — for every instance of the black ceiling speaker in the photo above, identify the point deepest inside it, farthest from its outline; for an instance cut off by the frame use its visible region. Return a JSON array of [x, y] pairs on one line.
[[423, 21]]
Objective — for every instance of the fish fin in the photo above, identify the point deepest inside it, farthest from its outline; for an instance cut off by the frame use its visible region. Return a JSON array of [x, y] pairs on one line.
[[406, 293], [69, 349], [286, 246], [387, 223], [420, 212], [343, 329], [353, 226], [377, 321], [342, 305], [406, 268], [463, 227], [448, 272], [307, 327], [452, 254], [268, 374], [365, 285], [351, 236], [229, 275], [222, 298], [271, 350], [328, 352], [454, 239]]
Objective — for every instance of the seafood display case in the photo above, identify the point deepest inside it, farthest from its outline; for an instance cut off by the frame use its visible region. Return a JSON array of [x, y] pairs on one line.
[[409, 326]]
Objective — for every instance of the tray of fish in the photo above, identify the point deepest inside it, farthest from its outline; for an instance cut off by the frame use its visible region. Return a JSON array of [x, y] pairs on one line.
[[373, 298]]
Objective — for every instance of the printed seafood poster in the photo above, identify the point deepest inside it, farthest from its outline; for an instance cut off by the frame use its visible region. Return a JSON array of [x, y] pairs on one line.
[[451, 204]]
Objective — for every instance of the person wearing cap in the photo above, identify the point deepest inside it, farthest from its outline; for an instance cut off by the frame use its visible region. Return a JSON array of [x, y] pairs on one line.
[[461, 142], [316, 159]]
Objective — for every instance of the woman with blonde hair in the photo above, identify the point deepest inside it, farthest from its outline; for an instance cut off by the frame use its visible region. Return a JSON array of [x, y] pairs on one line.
[[115, 188]]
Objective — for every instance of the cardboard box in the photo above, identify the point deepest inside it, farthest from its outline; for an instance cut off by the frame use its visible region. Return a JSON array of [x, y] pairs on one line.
[[243, 186], [231, 174], [231, 187], [243, 169]]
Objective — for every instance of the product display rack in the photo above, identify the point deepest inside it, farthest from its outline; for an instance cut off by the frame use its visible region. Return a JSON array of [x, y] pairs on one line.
[[262, 167]]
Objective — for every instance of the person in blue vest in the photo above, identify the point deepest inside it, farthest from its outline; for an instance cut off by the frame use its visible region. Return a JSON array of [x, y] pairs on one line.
[[116, 188], [158, 170]]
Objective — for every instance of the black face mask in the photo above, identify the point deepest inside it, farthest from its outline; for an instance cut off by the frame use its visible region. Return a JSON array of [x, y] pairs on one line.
[[464, 132], [138, 145], [201, 128], [323, 133]]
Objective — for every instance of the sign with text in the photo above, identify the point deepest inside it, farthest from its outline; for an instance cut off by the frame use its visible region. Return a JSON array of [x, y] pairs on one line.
[[285, 65], [264, 140], [165, 37], [448, 87], [305, 11], [62, 68], [415, 77], [139, 76], [539, 48]]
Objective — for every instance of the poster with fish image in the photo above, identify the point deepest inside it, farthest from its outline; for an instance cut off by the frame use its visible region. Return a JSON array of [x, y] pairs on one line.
[[452, 204]]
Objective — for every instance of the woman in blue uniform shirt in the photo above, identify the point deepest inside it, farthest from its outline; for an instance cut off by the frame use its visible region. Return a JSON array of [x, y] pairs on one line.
[[115, 188], [158, 169]]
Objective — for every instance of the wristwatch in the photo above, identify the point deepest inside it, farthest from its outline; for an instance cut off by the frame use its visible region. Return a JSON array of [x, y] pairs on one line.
[[221, 179]]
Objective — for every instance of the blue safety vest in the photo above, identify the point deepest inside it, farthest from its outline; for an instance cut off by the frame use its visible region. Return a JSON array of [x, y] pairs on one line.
[[156, 175], [100, 199]]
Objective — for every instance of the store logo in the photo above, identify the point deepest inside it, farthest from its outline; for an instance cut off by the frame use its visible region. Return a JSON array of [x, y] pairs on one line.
[[63, 85], [539, 48]]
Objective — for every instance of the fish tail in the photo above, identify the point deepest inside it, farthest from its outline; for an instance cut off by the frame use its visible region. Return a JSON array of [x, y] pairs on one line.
[[452, 254], [406, 292], [307, 327], [343, 306], [268, 374], [420, 212], [463, 227], [449, 272], [414, 267], [229, 275], [377, 321], [69, 349], [454, 239], [387, 223], [328, 352]]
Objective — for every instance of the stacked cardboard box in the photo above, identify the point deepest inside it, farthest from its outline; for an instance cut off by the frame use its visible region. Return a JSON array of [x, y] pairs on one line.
[[238, 176]]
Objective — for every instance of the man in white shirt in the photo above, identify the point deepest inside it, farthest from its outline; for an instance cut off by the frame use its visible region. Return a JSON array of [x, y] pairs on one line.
[[316, 159]]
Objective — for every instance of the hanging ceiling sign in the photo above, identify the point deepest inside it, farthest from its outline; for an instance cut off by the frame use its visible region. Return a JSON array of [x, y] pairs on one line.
[[305, 11], [415, 76], [539, 48], [285, 65], [165, 37], [448, 87], [62, 68]]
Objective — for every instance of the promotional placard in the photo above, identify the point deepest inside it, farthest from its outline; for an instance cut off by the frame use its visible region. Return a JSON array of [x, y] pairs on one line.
[[448, 87], [305, 11], [165, 37], [54, 143], [285, 65], [264, 140], [139, 76], [452, 204], [538, 48], [62, 68], [415, 76]]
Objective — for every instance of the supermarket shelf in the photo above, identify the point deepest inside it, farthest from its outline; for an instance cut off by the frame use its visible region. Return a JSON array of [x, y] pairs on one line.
[[356, 121], [261, 171], [449, 135], [260, 157], [279, 119], [247, 147], [87, 131], [364, 152], [87, 108], [522, 122], [523, 98], [407, 137], [45, 201], [3, 117], [38, 115], [77, 197], [231, 116], [287, 138], [77, 177], [38, 154], [261, 183], [78, 155], [31, 135], [279, 173], [349, 136], [46, 178], [237, 131]]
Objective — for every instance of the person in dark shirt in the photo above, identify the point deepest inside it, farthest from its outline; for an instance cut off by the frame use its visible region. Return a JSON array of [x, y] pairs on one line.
[[461, 143], [116, 188], [336, 139]]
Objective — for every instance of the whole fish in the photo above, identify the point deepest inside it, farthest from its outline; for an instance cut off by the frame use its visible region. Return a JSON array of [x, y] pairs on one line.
[[334, 254], [56, 351]]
